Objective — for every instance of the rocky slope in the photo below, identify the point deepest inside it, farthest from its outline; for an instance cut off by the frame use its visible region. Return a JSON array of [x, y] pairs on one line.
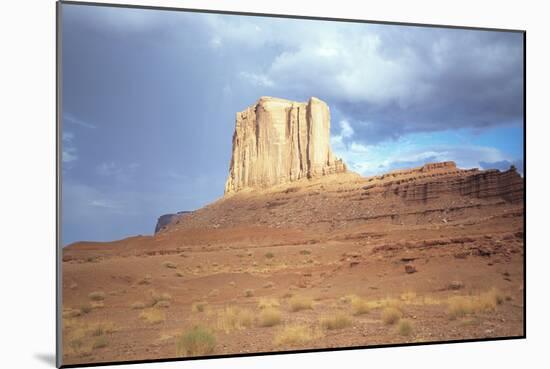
[[279, 141]]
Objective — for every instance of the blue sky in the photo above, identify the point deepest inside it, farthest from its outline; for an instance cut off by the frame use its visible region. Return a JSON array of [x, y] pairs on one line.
[[149, 103]]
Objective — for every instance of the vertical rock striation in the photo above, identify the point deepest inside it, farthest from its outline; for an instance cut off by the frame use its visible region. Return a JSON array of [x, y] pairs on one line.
[[279, 141]]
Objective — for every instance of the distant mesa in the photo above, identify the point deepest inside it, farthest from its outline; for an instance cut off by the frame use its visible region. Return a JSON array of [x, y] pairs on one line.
[[279, 141], [165, 219]]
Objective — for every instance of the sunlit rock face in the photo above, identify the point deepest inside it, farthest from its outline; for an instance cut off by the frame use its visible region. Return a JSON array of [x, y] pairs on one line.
[[280, 141]]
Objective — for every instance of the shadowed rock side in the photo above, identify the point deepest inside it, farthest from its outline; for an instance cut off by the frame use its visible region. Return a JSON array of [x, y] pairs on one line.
[[165, 219], [279, 141]]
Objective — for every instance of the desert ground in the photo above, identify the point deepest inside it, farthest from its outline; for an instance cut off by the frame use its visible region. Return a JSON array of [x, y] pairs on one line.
[[424, 255]]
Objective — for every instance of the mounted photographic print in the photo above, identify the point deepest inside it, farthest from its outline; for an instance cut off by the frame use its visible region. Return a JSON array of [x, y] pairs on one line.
[[237, 184]]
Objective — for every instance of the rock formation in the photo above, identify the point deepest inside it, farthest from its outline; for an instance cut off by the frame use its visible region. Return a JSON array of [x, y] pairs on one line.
[[279, 141], [166, 219]]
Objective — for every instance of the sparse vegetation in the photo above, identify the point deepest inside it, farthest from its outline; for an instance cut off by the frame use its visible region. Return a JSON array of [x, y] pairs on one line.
[[298, 303], [153, 316], [405, 327], [269, 285], [264, 303], [138, 305], [391, 315], [233, 318], [248, 293], [198, 341], [158, 297], [232, 284], [163, 304], [295, 335], [305, 252], [336, 322], [269, 255], [359, 306], [270, 317], [169, 264], [100, 342], [86, 308], [97, 296], [199, 306], [213, 293], [460, 306], [179, 274], [145, 280]]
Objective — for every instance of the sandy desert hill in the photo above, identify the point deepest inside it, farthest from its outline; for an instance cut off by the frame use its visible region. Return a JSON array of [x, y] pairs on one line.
[[333, 256]]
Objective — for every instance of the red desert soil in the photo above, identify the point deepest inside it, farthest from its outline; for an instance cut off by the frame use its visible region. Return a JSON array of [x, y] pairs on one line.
[[438, 247]]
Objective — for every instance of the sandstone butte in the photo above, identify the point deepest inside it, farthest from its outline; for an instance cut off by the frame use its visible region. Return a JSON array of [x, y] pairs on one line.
[[279, 141]]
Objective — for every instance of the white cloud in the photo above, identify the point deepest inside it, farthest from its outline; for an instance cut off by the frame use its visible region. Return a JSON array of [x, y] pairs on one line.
[[70, 118], [257, 79], [68, 152]]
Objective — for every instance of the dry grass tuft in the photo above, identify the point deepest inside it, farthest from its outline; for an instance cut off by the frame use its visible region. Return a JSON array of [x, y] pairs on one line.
[[269, 255], [269, 317], [405, 327], [298, 303], [295, 335], [163, 304], [248, 293], [335, 322], [359, 306], [138, 305], [460, 306], [169, 264], [146, 280], [199, 306], [197, 342], [153, 316], [100, 342], [391, 315], [233, 318], [265, 302], [159, 297], [97, 296], [269, 285]]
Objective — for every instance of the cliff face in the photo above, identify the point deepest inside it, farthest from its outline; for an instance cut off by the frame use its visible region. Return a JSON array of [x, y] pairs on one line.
[[166, 219], [279, 141]]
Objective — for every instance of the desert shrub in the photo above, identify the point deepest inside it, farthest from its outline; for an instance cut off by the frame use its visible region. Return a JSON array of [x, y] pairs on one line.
[[405, 327], [71, 313], [100, 342], [158, 297], [287, 295], [233, 318], [76, 344], [138, 305], [249, 293], [305, 252], [97, 305], [264, 303], [459, 306], [197, 342], [269, 317], [199, 306], [269, 255], [169, 264], [179, 274], [163, 304], [232, 284], [269, 285], [145, 280], [298, 303], [102, 328], [153, 316], [408, 296], [294, 335], [359, 306], [336, 322], [391, 315], [97, 296]]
